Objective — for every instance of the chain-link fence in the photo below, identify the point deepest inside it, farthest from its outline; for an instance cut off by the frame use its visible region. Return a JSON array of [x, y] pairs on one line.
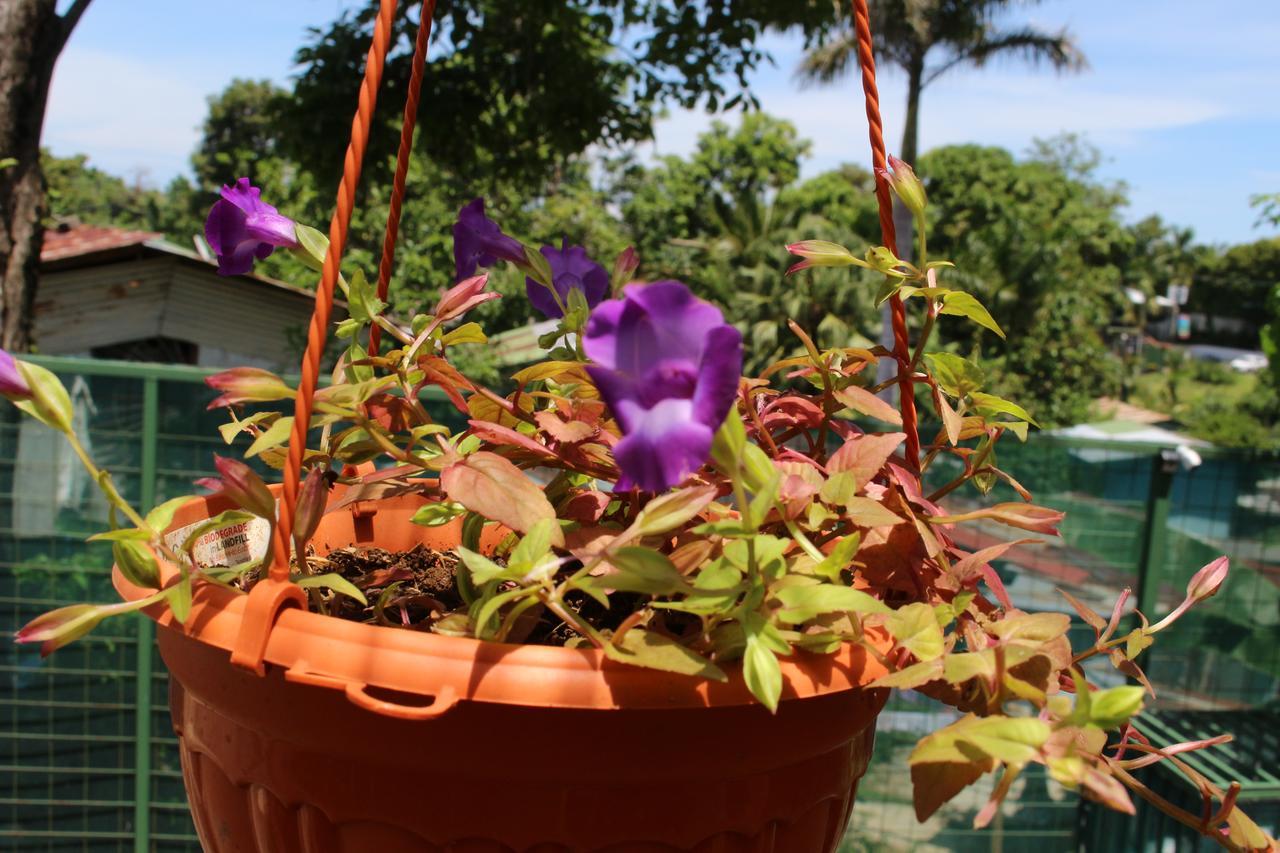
[[90, 763]]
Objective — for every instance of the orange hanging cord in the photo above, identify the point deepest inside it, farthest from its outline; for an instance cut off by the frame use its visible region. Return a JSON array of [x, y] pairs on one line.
[[901, 346], [318, 332], [402, 162]]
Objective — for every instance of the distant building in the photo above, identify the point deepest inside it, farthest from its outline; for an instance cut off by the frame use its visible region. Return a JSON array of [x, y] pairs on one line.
[[110, 293]]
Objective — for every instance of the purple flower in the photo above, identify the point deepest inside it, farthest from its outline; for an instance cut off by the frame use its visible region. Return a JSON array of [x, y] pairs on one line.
[[570, 269], [12, 384], [241, 227], [479, 242], [668, 366]]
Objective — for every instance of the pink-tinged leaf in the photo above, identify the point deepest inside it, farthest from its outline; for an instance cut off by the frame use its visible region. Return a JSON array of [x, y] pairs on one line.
[[952, 423], [506, 437], [863, 401], [1116, 613], [1131, 669], [934, 784], [1087, 613], [437, 371], [672, 510], [1037, 519], [1107, 790], [585, 507], [565, 432], [969, 567], [490, 485], [864, 456], [988, 811], [864, 512], [996, 586]]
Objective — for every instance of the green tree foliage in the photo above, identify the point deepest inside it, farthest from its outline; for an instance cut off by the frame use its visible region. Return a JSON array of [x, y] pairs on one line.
[[80, 193], [1237, 283], [516, 87]]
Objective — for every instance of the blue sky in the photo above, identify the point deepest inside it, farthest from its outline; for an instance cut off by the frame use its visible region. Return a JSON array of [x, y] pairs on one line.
[[1182, 101]]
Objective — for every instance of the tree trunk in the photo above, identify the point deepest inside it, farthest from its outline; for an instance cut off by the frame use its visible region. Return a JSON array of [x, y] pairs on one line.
[[903, 225], [31, 35]]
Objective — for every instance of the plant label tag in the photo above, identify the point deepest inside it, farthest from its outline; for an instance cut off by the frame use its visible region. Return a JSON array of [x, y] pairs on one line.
[[230, 546]]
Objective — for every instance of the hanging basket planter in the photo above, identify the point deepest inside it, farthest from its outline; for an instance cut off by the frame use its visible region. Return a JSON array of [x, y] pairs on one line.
[[359, 737], [714, 590]]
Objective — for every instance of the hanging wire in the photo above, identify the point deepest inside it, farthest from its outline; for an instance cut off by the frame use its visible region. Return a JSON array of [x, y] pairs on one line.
[[901, 346], [317, 334], [402, 162]]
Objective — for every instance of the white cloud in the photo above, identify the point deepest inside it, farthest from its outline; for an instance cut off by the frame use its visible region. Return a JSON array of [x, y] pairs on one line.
[[125, 112]]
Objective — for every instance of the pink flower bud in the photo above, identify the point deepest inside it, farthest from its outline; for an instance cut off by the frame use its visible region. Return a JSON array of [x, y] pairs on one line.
[[244, 487], [820, 253], [247, 385], [462, 297], [57, 628], [1206, 582], [11, 382], [312, 501], [625, 267], [908, 187]]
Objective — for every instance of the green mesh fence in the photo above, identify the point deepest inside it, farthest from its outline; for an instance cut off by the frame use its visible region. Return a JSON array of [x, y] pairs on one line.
[[89, 759]]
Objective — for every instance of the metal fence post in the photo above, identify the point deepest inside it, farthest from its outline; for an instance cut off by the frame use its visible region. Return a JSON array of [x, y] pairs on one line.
[[1152, 559], [146, 635]]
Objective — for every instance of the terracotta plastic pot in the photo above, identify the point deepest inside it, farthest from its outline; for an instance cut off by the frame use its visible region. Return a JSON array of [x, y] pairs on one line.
[[364, 739]]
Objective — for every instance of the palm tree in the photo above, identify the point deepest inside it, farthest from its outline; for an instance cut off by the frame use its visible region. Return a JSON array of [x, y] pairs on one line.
[[926, 39]]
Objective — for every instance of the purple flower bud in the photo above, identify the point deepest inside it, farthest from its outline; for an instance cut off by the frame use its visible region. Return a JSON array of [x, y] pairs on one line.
[[668, 366], [243, 486], [241, 227], [12, 384], [247, 385], [479, 242], [570, 269]]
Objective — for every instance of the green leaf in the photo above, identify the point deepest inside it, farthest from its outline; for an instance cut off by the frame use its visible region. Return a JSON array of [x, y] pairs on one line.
[[840, 557], [762, 672], [758, 467], [229, 431], [730, 439], [955, 375], [314, 245], [467, 333], [639, 570], [802, 603], [272, 437], [991, 404], [912, 676], [534, 546], [437, 513], [335, 582], [122, 534], [1113, 707], [1012, 740], [161, 517], [180, 598], [492, 605], [958, 668], [49, 402], [670, 511], [482, 569], [960, 304], [136, 562], [915, 628], [639, 647], [219, 521]]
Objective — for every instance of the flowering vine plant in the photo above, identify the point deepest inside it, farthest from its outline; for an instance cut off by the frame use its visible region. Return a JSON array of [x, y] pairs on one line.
[[673, 513]]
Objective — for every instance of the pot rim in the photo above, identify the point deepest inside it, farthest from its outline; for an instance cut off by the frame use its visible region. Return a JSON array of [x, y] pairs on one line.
[[369, 660]]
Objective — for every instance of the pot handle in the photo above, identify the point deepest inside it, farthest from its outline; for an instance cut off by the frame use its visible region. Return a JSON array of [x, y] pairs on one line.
[[445, 699], [358, 694]]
